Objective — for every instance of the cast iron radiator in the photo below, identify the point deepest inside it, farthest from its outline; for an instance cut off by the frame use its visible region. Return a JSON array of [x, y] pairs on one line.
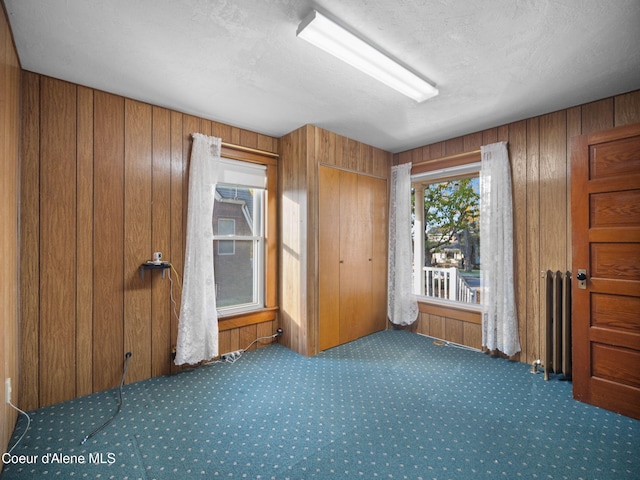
[[557, 357]]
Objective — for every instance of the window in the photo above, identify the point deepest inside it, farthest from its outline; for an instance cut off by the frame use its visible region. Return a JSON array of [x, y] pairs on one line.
[[239, 238], [226, 227], [446, 235]]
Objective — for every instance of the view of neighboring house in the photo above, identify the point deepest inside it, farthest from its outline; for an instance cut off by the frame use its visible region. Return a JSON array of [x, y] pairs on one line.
[[233, 258]]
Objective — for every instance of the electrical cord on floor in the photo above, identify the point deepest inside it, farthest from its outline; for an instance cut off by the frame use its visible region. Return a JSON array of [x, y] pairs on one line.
[[446, 343], [233, 357], [277, 334], [124, 374], [25, 430]]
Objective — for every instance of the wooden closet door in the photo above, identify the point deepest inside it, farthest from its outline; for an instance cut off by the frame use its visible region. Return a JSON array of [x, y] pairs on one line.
[[377, 319], [329, 258], [355, 251]]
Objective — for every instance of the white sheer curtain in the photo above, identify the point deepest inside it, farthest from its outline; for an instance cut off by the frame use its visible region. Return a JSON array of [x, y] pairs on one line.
[[198, 323], [402, 305], [499, 322]]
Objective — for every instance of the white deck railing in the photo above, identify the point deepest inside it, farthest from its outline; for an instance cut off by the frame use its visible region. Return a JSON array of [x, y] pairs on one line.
[[447, 283]]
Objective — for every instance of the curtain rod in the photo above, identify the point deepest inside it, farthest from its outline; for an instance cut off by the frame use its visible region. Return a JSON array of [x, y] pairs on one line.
[[449, 157], [233, 146]]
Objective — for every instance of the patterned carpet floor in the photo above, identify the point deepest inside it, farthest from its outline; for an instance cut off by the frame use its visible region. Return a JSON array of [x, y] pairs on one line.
[[392, 405]]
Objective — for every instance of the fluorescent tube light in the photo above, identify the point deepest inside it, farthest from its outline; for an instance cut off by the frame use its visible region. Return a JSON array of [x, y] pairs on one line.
[[334, 39]]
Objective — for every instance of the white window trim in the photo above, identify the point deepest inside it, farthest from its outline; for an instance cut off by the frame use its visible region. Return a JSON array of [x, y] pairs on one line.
[[417, 181], [252, 181], [229, 237]]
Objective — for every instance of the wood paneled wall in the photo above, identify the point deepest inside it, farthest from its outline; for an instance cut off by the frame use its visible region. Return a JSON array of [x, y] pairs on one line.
[[104, 184], [9, 191], [539, 150], [301, 152]]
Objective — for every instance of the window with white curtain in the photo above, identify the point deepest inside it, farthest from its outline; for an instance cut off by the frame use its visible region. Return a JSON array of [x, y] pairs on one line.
[[238, 237], [446, 235]]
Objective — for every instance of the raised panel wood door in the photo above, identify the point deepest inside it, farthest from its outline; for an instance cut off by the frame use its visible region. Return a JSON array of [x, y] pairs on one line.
[[605, 209]]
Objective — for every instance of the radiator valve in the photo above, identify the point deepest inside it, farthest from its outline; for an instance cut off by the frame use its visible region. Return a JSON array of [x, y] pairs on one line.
[[534, 366]]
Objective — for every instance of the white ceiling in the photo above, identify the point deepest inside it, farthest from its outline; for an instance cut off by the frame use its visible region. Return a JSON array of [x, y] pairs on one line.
[[239, 61]]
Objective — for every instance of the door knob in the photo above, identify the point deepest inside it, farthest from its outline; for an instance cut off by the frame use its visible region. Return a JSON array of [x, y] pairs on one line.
[[582, 279], [581, 276]]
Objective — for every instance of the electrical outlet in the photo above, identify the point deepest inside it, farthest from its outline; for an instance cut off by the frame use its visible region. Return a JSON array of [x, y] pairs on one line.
[[7, 390]]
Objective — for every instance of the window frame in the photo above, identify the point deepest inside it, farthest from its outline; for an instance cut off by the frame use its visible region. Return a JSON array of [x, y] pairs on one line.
[[221, 237], [269, 308], [418, 182]]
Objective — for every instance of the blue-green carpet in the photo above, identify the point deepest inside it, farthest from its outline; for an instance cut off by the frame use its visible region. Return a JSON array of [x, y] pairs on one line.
[[392, 405]]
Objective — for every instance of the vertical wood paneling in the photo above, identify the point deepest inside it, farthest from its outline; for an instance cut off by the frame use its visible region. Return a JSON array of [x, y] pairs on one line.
[[381, 163], [365, 160], [247, 335], [293, 185], [518, 158], [503, 133], [454, 331], [248, 139], [236, 136], [177, 238], [597, 116], [574, 127], [271, 276], [161, 241], [553, 202], [9, 233], [437, 326], [7, 417], [234, 339], [108, 259], [553, 190], [533, 280], [309, 232], [454, 146], [325, 146], [30, 243], [267, 144], [84, 244], [266, 329], [137, 231], [57, 241], [352, 155], [472, 141], [224, 342], [489, 136], [627, 109], [472, 335], [103, 185]]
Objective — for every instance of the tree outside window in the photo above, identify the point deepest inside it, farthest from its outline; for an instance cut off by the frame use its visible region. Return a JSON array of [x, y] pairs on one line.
[[447, 239]]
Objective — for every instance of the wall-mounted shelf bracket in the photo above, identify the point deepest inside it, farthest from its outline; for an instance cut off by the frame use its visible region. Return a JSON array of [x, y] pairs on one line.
[[153, 266]]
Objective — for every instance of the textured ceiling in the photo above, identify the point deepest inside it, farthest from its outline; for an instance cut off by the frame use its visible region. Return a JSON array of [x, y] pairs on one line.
[[240, 62]]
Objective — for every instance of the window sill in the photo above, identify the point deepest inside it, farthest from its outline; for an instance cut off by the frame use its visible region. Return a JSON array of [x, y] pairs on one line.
[[247, 318]]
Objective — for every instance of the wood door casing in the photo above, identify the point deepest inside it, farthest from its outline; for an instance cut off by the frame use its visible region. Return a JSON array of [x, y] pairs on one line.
[[605, 207]]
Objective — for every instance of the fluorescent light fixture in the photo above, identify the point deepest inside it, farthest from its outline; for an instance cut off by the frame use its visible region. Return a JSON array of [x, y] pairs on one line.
[[334, 39]]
